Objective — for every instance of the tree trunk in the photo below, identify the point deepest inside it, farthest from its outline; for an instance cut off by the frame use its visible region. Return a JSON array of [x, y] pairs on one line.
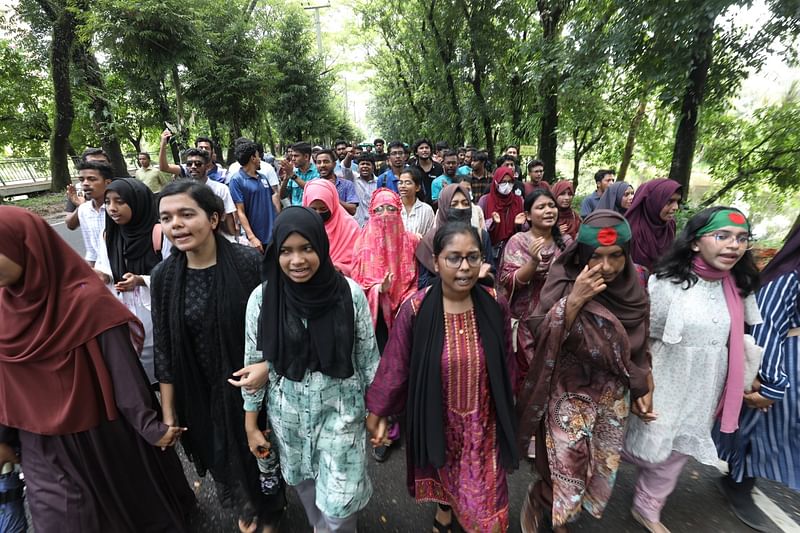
[[549, 16], [576, 160], [686, 134], [102, 117], [445, 49], [633, 130], [60, 51]]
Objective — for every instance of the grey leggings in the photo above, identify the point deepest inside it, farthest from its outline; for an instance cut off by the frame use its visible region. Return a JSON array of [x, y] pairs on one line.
[[307, 492]]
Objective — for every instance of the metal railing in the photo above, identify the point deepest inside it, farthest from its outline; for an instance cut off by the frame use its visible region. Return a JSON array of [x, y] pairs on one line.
[[31, 174]]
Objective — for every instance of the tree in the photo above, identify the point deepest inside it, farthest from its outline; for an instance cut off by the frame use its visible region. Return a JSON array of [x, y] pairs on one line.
[[745, 153]]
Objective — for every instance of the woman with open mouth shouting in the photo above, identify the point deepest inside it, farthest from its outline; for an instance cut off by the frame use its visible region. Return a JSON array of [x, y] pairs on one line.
[[701, 296], [449, 366]]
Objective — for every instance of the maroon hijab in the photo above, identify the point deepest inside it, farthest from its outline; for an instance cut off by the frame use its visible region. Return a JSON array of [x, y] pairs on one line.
[[53, 378], [651, 235], [508, 207], [566, 215]]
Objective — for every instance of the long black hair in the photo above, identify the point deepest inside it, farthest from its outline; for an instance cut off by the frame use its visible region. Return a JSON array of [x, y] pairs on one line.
[[676, 264], [536, 193]]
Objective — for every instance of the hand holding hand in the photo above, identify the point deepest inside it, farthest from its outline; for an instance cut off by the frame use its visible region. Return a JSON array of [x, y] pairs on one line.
[[378, 427], [258, 443], [252, 377], [129, 282], [171, 437], [755, 400]]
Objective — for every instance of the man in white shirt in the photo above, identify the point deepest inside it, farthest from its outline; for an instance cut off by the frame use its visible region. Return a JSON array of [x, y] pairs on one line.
[[94, 176]]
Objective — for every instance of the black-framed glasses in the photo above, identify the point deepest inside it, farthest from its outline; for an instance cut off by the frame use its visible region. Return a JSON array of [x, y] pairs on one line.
[[474, 259], [195, 163], [723, 237]]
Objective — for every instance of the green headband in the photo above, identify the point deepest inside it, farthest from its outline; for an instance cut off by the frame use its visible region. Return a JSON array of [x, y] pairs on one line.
[[725, 217], [604, 236]]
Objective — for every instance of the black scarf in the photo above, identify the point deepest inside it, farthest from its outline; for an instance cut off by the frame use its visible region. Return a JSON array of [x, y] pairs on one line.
[[130, 246], [325, 302], [425, 378], [213, 412]]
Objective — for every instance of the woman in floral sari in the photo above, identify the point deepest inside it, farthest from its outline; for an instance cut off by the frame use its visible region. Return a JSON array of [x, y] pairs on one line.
[[591, 351]]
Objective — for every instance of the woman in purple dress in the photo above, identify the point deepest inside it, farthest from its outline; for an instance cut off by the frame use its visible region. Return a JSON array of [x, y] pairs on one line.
[[449, 366]]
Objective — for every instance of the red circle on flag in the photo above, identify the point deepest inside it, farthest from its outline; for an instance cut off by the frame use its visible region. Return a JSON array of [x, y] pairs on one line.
[[737, 218], [607, 236]]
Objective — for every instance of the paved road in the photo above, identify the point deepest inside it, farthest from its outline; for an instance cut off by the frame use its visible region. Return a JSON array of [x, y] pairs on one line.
[[695, 506]]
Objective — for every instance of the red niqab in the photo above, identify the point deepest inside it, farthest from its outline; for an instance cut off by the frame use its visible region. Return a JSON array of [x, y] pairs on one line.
[[384, 246], [53, 378]]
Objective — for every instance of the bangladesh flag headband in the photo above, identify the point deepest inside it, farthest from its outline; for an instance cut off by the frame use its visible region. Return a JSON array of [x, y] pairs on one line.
[[723, 218], [604, 236]]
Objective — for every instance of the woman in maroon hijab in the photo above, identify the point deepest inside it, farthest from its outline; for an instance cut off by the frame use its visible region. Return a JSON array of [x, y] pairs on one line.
[[74, 396], [652, 220]]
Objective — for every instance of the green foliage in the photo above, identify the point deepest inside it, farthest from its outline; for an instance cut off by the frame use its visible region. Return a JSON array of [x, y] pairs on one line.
[[24, 107], [746, 153]]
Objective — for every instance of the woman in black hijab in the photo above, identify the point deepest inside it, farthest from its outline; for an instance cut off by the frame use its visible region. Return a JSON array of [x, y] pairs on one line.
[[311, 329], [130, 253]]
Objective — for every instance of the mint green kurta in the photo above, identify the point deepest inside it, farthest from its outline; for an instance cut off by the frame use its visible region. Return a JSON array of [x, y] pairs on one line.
[[318, 423]]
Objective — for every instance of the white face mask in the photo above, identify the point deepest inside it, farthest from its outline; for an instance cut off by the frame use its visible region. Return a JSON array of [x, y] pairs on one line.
[[505, 188]]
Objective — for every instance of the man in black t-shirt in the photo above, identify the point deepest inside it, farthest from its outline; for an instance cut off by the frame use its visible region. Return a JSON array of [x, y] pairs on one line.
[[423, 149]]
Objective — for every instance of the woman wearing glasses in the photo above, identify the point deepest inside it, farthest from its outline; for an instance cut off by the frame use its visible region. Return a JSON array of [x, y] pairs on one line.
[[449, 366], [701, 296]]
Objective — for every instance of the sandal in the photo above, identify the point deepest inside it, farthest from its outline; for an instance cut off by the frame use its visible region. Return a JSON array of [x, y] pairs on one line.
[[438, 527]]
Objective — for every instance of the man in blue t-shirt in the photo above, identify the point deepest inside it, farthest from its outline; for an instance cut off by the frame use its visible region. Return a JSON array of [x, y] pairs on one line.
[[449, 164], [398, 155], [257, 203]]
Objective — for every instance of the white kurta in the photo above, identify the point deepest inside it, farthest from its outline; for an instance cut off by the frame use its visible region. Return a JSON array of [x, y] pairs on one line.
[[689, 331]]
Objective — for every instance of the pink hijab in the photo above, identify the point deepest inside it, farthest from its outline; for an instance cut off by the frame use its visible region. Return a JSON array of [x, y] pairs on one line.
[[384, 246], [342, 229]]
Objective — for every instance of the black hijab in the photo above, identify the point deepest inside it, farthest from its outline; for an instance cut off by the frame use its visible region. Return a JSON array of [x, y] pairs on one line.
[[130, 246], [425, 378], [324, 301]]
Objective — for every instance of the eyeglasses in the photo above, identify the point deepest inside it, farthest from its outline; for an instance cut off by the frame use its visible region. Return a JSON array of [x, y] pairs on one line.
[[397, 154], [195, 163], [721, 237], [454, 261], [387, 208]]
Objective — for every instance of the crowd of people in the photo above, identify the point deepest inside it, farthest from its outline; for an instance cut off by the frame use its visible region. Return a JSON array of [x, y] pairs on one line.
[[279, 318]]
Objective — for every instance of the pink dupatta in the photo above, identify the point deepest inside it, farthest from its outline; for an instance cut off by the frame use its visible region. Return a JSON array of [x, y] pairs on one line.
[[731, 402]]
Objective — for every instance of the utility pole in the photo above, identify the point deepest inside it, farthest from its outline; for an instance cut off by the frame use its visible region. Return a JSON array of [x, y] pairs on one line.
[[307, 5]]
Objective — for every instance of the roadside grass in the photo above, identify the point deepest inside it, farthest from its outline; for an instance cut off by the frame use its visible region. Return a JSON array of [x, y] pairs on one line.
[[44, 204]]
